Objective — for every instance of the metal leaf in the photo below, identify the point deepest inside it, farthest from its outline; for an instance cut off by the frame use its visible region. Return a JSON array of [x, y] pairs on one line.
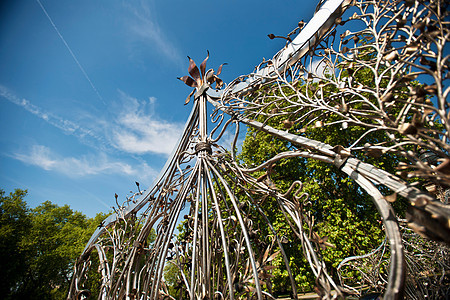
[[203, 65], [271, 257], [188, 81], [210, 77], [193, 70], [266, 254], [391, 198], [219, 70], [189, 97], [219, 82]]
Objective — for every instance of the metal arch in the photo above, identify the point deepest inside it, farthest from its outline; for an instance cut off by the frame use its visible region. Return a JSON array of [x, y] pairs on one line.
[[216, 258], [321, 21], [306, 39]]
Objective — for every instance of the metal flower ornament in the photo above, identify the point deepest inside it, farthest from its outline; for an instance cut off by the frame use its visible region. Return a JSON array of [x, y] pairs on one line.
[[201, 80]]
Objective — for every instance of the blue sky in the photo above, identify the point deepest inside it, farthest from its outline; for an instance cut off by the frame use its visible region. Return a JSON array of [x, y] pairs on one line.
[[89, 100]]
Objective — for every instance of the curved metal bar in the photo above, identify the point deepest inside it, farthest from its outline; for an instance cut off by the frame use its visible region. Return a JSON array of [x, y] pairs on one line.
[[290, 88], [320, 23], [353, 167], [135, 207], [222, 235], [397, 265], [243, 227], [194, 243], [350, 258], [285, 258]]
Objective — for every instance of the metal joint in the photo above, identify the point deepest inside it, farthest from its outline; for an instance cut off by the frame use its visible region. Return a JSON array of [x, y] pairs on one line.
[[340, 162], [201, 146]]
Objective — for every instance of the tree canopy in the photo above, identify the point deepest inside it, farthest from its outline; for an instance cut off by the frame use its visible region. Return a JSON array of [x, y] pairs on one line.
[[39, 246]]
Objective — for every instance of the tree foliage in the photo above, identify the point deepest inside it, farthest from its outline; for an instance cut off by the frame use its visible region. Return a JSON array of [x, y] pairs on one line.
[[343, 215], [39, 246]]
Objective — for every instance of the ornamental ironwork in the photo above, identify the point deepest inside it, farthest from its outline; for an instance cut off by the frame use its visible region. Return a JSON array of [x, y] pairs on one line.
[[375, 72]]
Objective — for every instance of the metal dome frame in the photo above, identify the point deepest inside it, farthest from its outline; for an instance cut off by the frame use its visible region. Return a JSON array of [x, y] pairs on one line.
[[216, 259]]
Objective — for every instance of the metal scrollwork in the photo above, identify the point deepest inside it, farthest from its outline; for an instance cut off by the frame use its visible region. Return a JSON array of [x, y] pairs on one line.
[[378, 72]]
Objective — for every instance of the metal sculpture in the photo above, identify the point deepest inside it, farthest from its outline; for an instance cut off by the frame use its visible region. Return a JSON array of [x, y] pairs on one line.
[[357, 65]]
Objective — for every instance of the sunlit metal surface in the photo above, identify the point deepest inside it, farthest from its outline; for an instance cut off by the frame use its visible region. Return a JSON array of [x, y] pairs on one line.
[[372, 68]]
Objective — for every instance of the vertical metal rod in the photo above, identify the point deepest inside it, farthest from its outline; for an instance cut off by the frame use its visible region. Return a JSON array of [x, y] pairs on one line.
[[222, 236], [243, 228], [206, 246], [203, 126], [194, 242]]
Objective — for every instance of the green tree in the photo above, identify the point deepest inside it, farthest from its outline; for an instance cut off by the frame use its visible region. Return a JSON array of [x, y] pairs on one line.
[[39, 247], [172, 279], [341, 211], [15, 223], [57, 237]]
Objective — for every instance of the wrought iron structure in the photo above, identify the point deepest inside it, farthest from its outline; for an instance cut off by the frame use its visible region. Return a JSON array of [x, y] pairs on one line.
[[372, 68]]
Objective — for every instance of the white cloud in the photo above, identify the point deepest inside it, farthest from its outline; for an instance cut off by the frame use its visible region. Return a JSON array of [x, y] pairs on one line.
[[139, 130], [68, 127], [133, 127], [43, 157], [39, 156]]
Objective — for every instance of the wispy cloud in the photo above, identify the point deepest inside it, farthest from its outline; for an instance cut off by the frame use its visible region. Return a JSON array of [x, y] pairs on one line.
[[86, 165], [144, 26], [66, 126], [139, 130], [133, 127]]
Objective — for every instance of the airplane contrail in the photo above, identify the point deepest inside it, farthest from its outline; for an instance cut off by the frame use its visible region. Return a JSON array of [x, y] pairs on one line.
[[71, 53]]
